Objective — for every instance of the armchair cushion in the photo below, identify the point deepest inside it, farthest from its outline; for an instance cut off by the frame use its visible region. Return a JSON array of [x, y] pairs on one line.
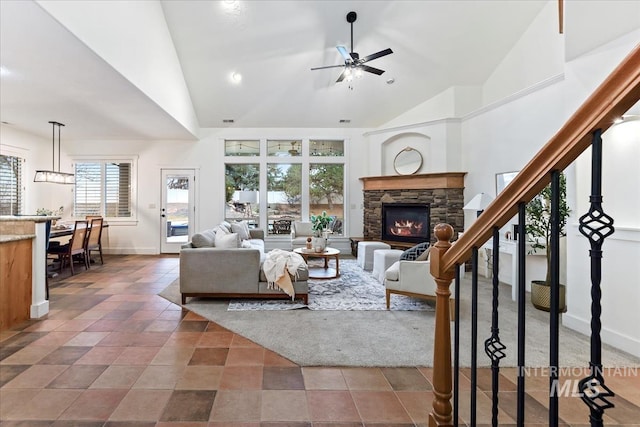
[[413, 253], [302, 228]]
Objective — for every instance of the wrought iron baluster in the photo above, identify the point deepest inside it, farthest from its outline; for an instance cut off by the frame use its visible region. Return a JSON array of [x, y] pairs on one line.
[[596, 225], [474, 335], [554, 309], [492, 346], [522, 267], [456, 348]]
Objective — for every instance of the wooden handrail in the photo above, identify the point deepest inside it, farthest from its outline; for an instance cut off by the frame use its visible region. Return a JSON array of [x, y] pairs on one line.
[[619, 92]]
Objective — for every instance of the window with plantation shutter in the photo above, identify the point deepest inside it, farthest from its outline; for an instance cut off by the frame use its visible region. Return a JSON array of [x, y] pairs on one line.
[[104, 187], [10, 185]]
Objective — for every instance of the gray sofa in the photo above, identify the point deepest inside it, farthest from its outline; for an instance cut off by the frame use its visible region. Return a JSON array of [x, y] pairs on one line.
[[210, 271]]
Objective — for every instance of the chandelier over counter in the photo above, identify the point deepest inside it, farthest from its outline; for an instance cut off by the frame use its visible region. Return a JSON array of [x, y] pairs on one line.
[[54, 175]]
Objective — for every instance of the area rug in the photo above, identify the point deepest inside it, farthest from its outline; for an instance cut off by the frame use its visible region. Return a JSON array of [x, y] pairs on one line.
[[355, 289]]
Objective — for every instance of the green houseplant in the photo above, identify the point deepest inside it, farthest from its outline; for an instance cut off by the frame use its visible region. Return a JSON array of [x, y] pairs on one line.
[[538, 228], [319, 223]]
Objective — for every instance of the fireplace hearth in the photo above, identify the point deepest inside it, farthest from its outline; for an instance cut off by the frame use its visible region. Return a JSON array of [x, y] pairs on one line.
[[406, 222]]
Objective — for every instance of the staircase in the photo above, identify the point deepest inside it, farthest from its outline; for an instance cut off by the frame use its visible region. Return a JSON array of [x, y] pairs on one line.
[[619, 91]]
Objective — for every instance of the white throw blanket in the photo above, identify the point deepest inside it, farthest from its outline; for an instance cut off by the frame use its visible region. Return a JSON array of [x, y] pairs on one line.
[[277, 267]]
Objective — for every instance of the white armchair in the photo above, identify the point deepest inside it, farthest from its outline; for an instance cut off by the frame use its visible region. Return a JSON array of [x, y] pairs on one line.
[[300, 230], [413, 279]]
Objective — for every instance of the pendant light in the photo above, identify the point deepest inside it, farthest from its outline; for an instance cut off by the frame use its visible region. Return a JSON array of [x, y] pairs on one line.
[[54, 175]]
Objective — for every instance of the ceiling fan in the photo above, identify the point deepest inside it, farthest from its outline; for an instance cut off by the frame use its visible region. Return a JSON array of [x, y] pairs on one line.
[[353, 64]]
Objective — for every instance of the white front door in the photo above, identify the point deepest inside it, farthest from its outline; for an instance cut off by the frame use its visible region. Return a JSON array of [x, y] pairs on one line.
[[177, 208]]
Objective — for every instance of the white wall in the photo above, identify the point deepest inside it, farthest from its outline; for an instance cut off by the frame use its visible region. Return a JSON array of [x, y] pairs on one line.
[[621, 200], [133, 37], [538, 55]]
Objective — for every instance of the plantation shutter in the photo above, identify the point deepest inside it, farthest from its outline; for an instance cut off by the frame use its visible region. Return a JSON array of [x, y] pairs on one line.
[[103, 188], [118, 189], [10, 185]]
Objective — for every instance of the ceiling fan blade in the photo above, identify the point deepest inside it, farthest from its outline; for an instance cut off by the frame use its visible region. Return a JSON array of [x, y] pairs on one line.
[[342, 76], [376, 55], [327, 66], [344, 52], [371, 69]]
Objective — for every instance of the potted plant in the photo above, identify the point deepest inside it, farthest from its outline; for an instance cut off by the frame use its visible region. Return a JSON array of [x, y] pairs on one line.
[[538, 228], [319, 224]]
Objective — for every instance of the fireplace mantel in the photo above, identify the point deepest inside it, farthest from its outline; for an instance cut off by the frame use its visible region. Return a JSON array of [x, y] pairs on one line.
[[423, 181]]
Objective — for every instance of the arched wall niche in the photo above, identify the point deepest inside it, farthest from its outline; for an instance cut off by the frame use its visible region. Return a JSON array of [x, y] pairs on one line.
[[392, 146]]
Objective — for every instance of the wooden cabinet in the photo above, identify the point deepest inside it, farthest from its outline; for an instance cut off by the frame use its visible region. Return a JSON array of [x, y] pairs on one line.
[[15, 282]]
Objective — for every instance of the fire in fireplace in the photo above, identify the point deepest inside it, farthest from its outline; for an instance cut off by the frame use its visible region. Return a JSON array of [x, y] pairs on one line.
[[406, 222]]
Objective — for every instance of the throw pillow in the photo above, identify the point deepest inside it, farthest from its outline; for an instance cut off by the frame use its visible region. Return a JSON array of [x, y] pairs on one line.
[[203, 239], [242, 229], [227, 241], [424, 256], [413, 253], [225, 226]]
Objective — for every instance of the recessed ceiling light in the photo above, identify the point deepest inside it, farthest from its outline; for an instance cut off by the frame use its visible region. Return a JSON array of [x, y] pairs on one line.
[[391, 81], [228, 120], [236, 77], [345, 120], [230, 4]]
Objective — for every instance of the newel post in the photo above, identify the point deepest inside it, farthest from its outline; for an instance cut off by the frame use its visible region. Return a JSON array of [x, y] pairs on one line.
[[442, 412]]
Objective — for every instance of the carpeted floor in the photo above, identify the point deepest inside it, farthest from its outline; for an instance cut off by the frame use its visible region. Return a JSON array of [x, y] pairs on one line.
[[394, 338]]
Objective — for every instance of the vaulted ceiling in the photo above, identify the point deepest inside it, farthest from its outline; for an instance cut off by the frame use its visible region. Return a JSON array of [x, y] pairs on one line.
[[50, 73]]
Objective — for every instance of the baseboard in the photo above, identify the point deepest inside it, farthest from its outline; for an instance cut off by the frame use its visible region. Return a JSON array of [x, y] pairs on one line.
[[613, 338], [130, 251], [39, 310]]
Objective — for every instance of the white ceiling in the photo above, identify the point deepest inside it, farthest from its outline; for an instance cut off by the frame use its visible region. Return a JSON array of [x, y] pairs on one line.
[[48, 74]]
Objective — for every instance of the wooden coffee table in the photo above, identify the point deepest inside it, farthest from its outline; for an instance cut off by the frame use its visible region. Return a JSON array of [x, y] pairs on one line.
[[321, 272]]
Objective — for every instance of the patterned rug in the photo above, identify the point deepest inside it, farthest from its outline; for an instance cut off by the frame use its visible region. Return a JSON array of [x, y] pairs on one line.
[[355, 289]]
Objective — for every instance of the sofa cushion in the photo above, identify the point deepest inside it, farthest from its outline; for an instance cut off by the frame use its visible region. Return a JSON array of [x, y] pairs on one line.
[[227, 241], [393, 272], [204, 239], [413, 253], [241, 228], [225, 226]]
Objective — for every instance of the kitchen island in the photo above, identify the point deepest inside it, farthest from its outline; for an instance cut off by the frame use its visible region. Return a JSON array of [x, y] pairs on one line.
[[23, 263]]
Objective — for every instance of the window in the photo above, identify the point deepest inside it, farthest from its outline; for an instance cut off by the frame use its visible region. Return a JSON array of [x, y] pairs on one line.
[[241, 148], [242, 182], [286, 148], [326, 192], [104, 187], [10, 185], [284, 194], [300, 178], [326, 148]]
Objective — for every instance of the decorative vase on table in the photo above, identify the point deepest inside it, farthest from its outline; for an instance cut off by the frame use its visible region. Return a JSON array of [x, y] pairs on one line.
[[319, 244]]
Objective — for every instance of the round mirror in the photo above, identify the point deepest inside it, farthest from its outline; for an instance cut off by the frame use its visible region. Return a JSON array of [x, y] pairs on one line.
[[408, 161]]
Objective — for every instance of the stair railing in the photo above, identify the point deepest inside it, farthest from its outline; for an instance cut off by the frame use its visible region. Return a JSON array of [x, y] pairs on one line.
[[619, 91]]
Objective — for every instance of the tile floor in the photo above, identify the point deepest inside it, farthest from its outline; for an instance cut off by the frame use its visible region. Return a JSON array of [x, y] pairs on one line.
[[112, 353]]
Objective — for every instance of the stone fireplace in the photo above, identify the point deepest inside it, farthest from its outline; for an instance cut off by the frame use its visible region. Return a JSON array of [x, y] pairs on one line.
[[442, 193]]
